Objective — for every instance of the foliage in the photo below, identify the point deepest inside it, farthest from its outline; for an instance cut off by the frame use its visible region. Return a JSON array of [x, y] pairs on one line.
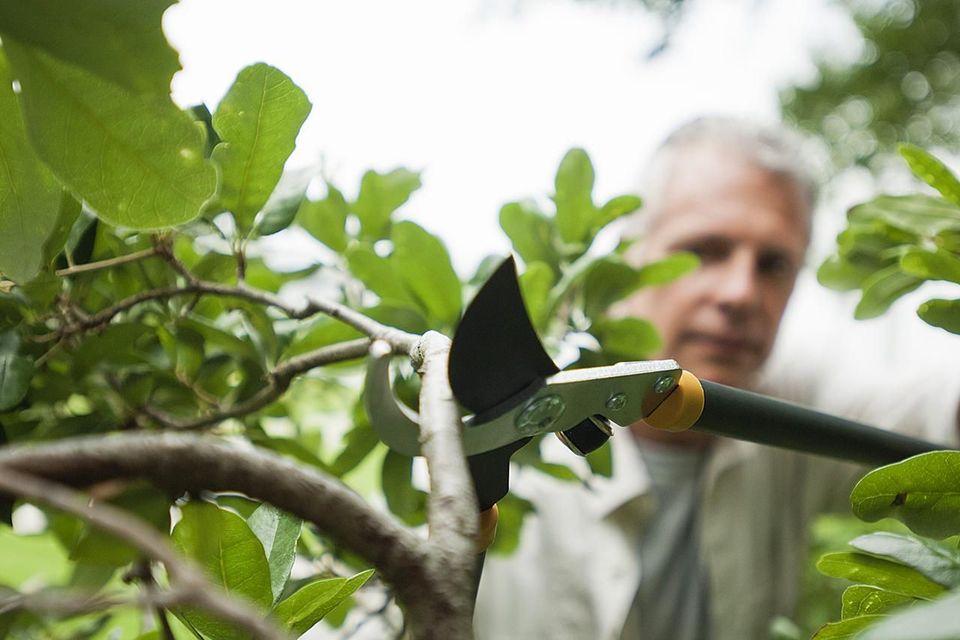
[[893, 244], [151, 307], [904, 86], [909, 582]]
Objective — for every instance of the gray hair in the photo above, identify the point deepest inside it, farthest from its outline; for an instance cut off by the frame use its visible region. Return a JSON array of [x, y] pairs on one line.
[[774, 149]]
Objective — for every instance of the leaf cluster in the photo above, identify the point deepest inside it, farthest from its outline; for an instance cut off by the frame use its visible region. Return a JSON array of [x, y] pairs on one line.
[[908, 584], [893, 244]]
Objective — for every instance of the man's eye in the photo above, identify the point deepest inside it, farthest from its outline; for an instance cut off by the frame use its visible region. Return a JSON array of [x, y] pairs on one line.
[[706, 251], [775, 265]]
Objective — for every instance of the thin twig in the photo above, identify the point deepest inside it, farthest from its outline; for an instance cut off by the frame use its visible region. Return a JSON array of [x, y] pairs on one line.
[[278, 382], [189, 584], [142, 573], [335, 310], [61, 603], [110, 262], [340, 352]]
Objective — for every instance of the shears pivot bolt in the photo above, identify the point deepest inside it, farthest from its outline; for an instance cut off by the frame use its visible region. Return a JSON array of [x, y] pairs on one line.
[[539, 415]]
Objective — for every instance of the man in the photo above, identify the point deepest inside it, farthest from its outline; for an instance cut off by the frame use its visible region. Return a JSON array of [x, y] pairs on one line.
[[694, 537]]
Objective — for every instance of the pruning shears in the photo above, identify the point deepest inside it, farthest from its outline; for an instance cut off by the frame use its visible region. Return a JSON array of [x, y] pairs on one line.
[[500, 372]]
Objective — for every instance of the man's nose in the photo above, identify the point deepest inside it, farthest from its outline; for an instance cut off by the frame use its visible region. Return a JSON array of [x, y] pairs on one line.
[[738, 286]]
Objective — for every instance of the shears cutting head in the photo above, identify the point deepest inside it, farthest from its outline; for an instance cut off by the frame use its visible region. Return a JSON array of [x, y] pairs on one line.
[[501, 373]]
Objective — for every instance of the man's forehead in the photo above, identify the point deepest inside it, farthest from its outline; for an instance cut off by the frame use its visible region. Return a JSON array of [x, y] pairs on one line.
[[725, 191]]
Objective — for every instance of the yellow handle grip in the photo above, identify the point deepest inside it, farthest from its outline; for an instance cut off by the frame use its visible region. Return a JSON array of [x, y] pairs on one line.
[[682, 408]]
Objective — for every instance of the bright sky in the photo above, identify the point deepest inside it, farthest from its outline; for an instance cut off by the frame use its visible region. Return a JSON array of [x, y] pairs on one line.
[[485, 96]]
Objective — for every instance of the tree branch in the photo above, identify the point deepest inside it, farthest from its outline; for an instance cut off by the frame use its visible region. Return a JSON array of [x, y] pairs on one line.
[[186, 462], [452, 503], [110, 262], [355, 319], [189, 584]]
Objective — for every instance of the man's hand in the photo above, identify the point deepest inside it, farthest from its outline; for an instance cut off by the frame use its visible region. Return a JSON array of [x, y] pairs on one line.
[[488, 528]]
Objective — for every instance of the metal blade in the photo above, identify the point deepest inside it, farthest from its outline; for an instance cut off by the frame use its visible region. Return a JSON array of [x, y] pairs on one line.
[[496, 352], [495, 357]]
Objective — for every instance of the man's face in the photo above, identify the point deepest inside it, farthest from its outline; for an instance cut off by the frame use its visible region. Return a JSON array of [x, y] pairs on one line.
[[748, 228]]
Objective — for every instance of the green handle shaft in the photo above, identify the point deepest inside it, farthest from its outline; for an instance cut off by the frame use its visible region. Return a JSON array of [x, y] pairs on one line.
[[744, 415]]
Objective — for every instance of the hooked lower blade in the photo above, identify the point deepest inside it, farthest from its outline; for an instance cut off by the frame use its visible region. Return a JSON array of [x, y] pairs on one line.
[[496, 352]]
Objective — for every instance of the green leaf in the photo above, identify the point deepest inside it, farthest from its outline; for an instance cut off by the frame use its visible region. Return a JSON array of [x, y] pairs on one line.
[[326, 219], [138, 164], [70, 211], [424, 265], [40, 560], [96, 547], [15, 372], [931, 265], [530, 232], [941, 313], [931, 621], [120, 41], [948, 240], [258, 122], [628, 338], [281, 208], [261, 276], [601, 461], [29, 194], [861, 600], [312, 602], [290, 447], [405, 501], [918, 214], [535, 283], [211, 340], [576, 212], [610, 279], [115, 345], [359, 442], [666, 270], [878, 572], [278, 532], [558, 471], [932, 171], [231, 556], [616, 207], [512, 510], [882, 289], [936, 561], [378, 275], [845, 629], [923, 492], [841, 274], [380, 195], [322, 332]]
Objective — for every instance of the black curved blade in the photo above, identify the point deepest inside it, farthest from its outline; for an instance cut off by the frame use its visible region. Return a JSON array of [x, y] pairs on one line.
[[496, 352]]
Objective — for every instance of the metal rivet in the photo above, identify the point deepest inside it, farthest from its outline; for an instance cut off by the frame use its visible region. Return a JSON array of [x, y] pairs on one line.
[[539, 415], [663, 384], [616, 401]]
